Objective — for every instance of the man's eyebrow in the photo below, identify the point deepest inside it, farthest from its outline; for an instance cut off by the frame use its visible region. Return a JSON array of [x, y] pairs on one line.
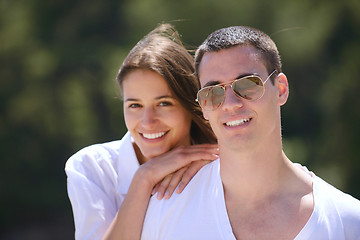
[[245, 75], [211, 83], [215, 82]]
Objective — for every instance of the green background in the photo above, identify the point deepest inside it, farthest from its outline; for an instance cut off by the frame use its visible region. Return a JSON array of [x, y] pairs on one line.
[[59, 59]]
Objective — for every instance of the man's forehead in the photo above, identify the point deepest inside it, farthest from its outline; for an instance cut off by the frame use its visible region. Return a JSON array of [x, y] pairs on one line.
[[229, 64]]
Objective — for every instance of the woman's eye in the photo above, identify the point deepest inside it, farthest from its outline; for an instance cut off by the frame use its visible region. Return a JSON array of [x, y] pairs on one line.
[[164, 104], [134, 105]]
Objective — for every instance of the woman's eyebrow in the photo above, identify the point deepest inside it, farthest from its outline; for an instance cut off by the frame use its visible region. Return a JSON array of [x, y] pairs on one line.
[[131, 100], [138, 100], [164, 96]]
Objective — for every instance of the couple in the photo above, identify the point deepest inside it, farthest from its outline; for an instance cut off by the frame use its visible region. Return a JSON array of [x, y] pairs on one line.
[[243, 188]]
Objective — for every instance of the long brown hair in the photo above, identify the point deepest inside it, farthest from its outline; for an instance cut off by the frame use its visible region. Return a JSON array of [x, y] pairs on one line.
[[162, 51]]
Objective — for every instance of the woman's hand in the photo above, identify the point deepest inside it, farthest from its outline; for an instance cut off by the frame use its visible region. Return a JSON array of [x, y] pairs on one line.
[[179, 179], [182, 162], [177, 167]]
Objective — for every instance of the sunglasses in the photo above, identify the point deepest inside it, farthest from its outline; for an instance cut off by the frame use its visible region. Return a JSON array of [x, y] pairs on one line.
[[250, 88]]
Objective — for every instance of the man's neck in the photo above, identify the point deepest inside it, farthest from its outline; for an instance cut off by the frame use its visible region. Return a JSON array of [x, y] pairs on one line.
[[257, 171], [265, 187], [253, 174]]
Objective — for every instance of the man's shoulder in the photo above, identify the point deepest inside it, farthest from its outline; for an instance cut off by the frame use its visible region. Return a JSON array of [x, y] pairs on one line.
[[345, 205], [200, 209], [206, 178], [325, 193], [200, 186]]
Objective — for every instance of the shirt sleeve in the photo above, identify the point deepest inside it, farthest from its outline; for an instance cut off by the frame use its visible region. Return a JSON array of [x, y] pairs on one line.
[[91, 182]]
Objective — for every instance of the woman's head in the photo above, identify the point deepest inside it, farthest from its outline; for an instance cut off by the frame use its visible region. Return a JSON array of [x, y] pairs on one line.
[[160, 60]]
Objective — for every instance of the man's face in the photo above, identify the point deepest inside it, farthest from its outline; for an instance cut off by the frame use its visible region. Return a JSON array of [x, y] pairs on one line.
[[239, 123]]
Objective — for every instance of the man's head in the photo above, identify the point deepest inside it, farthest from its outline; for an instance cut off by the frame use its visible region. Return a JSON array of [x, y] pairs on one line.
[[234, 67], [240, 35]]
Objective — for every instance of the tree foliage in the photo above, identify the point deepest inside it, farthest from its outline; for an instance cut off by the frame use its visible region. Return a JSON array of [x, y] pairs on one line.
[[59, 60]]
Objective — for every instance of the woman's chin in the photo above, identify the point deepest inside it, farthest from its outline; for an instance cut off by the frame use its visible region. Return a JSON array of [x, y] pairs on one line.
[[154, 153]]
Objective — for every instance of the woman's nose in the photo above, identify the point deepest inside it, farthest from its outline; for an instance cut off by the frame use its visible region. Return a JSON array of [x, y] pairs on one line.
[[149, 118]]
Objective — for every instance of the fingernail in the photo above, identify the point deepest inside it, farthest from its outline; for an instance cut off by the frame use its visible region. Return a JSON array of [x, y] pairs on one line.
[[159, 196], [167, 194], [179, 189]]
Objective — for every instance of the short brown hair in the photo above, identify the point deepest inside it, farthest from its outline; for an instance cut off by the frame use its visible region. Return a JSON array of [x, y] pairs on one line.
[[241, 35]]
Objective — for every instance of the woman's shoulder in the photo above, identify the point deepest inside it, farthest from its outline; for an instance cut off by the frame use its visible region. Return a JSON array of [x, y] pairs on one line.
[[107, 153]]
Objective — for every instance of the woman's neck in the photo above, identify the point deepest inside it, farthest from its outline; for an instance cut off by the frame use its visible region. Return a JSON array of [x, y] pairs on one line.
[[140, 157]]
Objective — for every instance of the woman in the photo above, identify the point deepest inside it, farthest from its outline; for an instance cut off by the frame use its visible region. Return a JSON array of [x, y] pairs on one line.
[[164, 143]]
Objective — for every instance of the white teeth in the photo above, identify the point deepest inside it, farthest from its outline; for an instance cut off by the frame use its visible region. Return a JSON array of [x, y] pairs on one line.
[[153, 135], [237, 122]]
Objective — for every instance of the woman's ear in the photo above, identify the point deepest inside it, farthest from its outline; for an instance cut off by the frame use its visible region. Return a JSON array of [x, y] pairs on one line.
[[283, 88]]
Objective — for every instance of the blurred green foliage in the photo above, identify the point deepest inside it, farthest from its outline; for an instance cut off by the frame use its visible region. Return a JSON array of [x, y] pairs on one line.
[[58, 61]]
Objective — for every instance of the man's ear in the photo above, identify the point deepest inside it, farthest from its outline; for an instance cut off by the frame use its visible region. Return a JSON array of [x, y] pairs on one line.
[[283, 88]]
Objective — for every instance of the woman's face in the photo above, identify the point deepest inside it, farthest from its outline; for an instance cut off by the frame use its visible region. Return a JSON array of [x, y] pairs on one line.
[[156, 120]]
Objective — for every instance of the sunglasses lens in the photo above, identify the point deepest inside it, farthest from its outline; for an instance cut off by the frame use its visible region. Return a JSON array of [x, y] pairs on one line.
[[211, 98], [250, 88]]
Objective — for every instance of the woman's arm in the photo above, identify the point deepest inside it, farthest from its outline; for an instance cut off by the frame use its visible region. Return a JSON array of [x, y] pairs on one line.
[[129, 219]]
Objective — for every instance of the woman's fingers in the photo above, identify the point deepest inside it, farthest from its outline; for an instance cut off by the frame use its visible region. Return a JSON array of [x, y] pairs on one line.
[[186, 154], [179, 179], [163, 186], [190, 173], [176, 178], [159, 167], [155, 189]]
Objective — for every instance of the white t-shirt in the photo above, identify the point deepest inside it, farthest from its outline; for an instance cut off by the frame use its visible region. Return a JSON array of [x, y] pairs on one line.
[[98, 178], [199, 212]]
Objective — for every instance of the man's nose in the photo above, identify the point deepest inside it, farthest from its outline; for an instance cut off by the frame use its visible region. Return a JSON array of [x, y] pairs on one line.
[[231, 100]]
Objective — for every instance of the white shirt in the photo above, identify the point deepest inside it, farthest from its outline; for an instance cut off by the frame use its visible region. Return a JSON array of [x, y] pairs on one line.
[[199, 212], [98, 179]]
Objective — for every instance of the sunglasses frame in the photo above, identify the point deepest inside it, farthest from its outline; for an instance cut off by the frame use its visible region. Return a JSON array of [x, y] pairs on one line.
[[223, 86]]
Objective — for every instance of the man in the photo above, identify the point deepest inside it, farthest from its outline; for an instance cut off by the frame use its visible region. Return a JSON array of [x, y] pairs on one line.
[[253, 191]]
